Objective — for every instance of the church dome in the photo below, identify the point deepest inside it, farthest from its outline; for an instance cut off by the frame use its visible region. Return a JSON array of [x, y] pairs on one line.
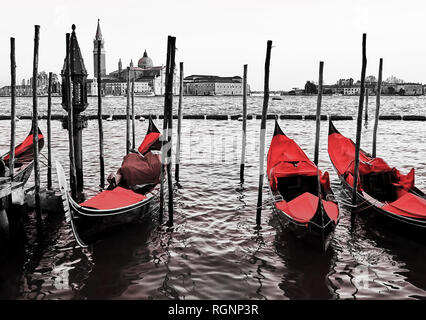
[[145, 62]]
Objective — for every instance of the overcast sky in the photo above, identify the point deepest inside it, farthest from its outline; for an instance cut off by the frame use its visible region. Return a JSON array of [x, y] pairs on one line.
[[218, 37]]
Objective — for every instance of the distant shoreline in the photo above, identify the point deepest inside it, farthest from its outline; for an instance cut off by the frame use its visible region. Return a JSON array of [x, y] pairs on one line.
[[271, 95]]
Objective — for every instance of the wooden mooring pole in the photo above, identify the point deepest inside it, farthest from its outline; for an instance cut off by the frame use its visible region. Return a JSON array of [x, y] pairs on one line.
[[244, 133], [179, 126], [318, 117], [100, 125], [49, 133], [133, 115], [12, 107], [35, 130], [164, 138], [376, 118], [263, 132], [128, 143], [73, 177], [359, 118], [366, 104], [169, 105]]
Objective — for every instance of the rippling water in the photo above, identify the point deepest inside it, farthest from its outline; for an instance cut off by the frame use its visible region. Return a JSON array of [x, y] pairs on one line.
[[214, 251]]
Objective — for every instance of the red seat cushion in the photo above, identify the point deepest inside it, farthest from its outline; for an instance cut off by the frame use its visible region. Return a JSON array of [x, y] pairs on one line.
[[113, 199], [408, 205], [332, 209], [302, 209]]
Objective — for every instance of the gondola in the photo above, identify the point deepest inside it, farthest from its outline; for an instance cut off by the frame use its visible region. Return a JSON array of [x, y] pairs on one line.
[[302, 196], [23, 165], [24, 158], [119, 204], [381, 189]]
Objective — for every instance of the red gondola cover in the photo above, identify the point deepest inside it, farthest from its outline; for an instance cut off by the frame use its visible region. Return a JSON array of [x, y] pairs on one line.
[[408, 205], [151, 140], [342, 155], [112, 199], [24, 151], [143, 168], [138, 170], [286, 158]]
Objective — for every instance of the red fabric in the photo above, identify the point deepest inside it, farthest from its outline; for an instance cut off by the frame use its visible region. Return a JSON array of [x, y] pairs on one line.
[[325, 181], [405, 181], [342, 155], [24, 151], [113, 199], [281, 151], [137, 170], [149, 140], [408, 205], [302, 209], [332, 209]]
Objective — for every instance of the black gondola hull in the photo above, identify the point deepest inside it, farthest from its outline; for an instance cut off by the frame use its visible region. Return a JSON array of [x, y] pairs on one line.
[[94, 227]]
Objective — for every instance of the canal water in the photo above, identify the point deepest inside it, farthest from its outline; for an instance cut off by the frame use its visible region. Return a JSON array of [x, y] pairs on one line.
[[214, 250]]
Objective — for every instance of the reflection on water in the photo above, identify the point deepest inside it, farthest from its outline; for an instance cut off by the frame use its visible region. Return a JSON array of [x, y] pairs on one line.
[[214, 250]]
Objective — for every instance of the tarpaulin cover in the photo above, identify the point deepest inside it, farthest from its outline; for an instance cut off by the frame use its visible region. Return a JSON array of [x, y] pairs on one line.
[[408, 205], [302, 209], [286, 159], [139, 170], [152, 136], [342, 155], [112, 199], [24, 151]]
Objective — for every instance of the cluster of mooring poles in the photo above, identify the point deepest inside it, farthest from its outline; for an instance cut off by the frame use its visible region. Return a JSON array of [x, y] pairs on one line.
[[14, 182]]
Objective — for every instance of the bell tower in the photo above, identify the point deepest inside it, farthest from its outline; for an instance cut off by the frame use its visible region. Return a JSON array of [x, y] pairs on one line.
[[98, 36]]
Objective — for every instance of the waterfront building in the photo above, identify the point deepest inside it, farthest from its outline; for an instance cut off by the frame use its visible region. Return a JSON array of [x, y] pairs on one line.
[[25, 89], [149, 79], [409, 89], [207, 85]]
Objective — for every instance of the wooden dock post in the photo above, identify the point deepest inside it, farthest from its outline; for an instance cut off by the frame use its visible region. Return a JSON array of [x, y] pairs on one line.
[[318, 117], [359, 118], [376, 118], [244, 133], [73, 177], [179, 126], [169, 105], [263, 132], [133, 115], [49, 133], [366, 104], [100, 126], [12, 107], [35, 131], [128, 143]]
